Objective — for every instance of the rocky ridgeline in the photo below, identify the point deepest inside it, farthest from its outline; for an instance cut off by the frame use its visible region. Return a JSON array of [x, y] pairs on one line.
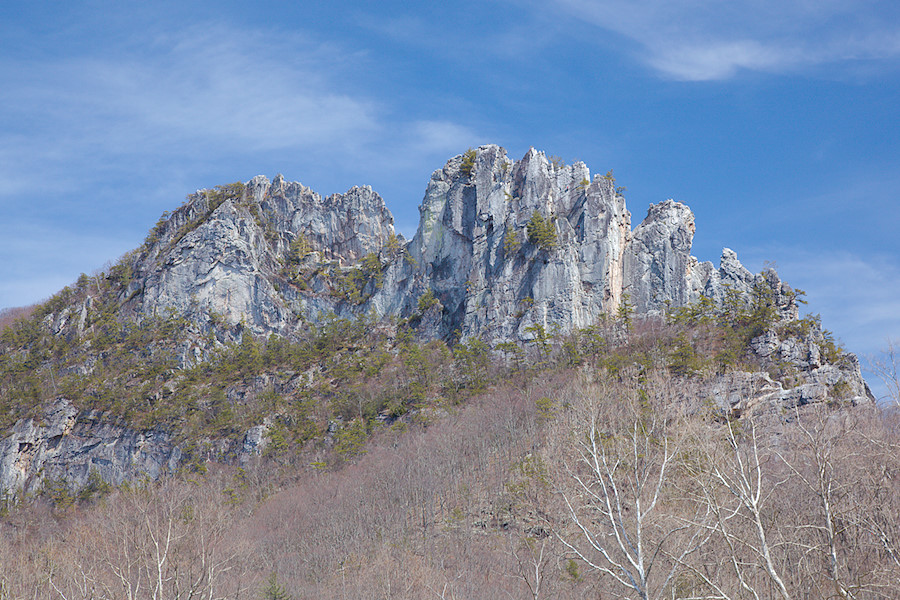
[[504, 249], [274, 255]]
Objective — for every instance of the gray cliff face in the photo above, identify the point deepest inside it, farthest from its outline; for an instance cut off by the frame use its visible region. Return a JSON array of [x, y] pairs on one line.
[[472, 244], [740, 393], [274, 256], [659, 268], [226, 260], [223, 257], [344, 227], [67, 446], [498, 291], [70, 448]]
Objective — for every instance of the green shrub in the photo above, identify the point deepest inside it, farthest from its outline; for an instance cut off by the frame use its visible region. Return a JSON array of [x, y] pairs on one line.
[[351, 285], [511, 242], [299, 248], [392, 246], [684, 360], [625, 311], [832, 351], [273, 591], [427, 300], [372, 268], [541, 232], [468, 162], [350, 441]]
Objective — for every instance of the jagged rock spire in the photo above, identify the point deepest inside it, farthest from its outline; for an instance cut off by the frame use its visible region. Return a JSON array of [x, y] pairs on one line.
[[230, 253]]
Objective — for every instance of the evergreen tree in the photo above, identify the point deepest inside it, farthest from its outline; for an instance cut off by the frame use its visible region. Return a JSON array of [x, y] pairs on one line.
[[273, 591]]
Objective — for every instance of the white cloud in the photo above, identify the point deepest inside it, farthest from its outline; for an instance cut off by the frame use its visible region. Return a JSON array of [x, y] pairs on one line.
[[98, 136], [234, 88], [720, 60], [699, 40], [205, 91]]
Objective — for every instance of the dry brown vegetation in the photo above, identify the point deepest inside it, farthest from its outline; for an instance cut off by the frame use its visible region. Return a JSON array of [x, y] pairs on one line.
[[585, 484], [8, 316]]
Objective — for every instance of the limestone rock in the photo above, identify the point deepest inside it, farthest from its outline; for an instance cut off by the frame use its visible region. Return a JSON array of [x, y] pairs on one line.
[[67, 446], [254, 443], [511, 250], [493, 281], [658, 266], [222, 254], [275, 255]]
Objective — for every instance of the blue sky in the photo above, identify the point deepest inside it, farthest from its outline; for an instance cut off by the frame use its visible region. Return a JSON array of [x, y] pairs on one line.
[[775, 121]]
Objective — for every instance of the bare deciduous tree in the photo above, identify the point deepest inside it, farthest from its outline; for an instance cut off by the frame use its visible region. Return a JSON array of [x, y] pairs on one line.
[[532, 558], [626, 452], [736, 493], [887, 368]]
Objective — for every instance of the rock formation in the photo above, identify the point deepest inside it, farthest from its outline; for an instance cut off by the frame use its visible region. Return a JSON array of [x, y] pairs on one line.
[[231, 253], [504, 250], [68, 447]]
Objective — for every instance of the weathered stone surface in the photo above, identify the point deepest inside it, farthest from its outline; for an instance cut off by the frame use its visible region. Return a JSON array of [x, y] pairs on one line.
[[493, 281], [659, 268], [223, 264], [275, 256], [230, 261], [500, 291], [67, 446], [738, 392], [255, 441]]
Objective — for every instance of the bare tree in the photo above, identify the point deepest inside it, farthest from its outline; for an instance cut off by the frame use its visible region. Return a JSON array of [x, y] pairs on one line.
[[887, 368], [818, 448], [168, 541], [736, 493], [626, 454], [532, 559]]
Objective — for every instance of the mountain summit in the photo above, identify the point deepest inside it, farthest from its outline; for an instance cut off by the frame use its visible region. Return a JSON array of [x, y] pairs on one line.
[[502, 246], [247, 311]]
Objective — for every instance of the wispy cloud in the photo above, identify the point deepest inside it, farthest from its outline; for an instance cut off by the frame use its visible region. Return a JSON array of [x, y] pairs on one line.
[[700, 40], [105, 132], [200, 86], [496, 35], [205, 88]]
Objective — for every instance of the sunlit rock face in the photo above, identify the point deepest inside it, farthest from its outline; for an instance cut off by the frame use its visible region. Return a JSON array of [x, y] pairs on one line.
[[232, 255], [497, 283], [505, 251], [71, 448], [493, 281], [226, 255]]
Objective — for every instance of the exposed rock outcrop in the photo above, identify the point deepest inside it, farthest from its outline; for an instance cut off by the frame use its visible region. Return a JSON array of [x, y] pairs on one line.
[[505, 251], [231, 254], [67, 447]]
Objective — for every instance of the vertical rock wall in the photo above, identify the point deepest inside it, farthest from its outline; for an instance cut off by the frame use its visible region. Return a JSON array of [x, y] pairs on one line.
[[472, 249]]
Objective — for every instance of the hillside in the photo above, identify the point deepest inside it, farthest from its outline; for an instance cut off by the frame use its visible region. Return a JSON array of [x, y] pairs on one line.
[[434, 415]]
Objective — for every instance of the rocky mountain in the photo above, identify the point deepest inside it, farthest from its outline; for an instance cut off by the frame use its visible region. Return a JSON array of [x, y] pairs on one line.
[[274, 254], [506, 252]]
